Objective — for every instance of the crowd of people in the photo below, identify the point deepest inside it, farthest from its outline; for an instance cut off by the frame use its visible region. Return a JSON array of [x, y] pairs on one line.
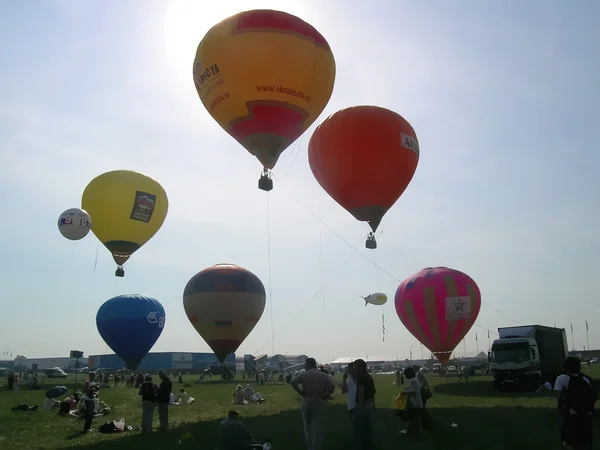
[[576, 398], [153, 397]]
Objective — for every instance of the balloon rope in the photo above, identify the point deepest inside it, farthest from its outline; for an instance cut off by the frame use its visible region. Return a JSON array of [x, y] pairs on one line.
[[355, 249], [316, 294], [321, 257], [270, 277], [96, 259], [378, 289]]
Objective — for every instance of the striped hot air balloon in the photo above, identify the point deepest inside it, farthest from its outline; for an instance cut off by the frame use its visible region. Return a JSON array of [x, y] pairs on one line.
[[224, 303], [438, 306]]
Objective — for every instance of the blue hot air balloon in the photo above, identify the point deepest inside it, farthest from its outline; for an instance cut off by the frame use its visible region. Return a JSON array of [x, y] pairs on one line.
[[130, 325]]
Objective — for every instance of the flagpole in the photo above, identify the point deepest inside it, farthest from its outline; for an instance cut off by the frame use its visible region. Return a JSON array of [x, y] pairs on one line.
[[587, 335], [477, 341], [572, 338]]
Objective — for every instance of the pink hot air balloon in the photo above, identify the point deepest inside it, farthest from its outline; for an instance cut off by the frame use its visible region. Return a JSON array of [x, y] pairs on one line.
[[438, 306]]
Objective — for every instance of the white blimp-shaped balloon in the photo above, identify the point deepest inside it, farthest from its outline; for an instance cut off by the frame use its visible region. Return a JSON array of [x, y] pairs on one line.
[[377, 299]]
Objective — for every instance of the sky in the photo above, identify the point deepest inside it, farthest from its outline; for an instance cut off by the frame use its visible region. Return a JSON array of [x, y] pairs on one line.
[[504, 99]]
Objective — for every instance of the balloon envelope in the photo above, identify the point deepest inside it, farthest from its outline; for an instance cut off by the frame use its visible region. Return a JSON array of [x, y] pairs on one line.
[[224, 303], [264, 76], [364, 157], [56, 391], [130, 325], [376, 299], [74, 224], [127, 208], [438, 306]]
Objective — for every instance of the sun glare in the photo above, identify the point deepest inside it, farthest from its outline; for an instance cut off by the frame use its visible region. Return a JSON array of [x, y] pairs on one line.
[[187, 21]]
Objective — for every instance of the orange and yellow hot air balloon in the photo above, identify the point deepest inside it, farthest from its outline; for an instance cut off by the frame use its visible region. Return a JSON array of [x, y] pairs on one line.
[[224, 303], [264, 76], [364, 157]]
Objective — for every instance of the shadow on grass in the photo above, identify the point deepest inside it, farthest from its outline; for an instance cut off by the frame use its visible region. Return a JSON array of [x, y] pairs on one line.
[[494, 428], [484, 389]]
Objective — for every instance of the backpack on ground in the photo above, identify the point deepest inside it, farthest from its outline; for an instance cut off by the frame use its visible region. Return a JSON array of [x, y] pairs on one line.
[[581, 394]]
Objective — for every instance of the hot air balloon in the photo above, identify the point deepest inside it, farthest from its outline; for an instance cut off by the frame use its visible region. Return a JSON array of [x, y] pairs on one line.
[[224, 303], [377, 299], [130, 325], [127, 208], [438, 306], [364, 157], [74, 224], [264, 76]]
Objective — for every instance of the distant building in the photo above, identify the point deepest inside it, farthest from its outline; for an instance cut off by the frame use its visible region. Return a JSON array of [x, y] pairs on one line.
[[294, 361], [23, 363], [585, 354], [7, 364], [153, 362], [283, 362]]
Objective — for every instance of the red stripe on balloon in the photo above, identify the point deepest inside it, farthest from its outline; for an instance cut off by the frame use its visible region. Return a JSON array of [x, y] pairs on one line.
[[267, 117], [277, 21]]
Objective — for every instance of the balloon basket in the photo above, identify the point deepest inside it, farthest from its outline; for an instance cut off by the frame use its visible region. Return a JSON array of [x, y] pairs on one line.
[[265, 183], [371, 243], [119, 272]]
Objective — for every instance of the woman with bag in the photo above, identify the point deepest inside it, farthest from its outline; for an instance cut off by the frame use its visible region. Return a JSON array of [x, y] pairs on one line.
[[414, 404], [425, 390]]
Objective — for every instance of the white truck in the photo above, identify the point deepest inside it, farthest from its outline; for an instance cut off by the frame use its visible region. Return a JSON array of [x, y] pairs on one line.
[[528, 355]]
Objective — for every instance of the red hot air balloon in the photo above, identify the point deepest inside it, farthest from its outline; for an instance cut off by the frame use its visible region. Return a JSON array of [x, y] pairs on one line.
[[364, 157], [224, 303], [438, 306]]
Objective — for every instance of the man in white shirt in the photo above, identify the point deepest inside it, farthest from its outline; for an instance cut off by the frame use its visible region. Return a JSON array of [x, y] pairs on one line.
[[349, 388], [316, 388], [577, 426]]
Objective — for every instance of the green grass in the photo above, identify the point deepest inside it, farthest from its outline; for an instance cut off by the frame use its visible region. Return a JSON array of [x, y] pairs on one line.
[[487, 420]]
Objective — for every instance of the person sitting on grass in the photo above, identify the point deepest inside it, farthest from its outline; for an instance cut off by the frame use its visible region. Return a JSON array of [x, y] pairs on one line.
[[251, 396], [238, 396], [234, 434], [184, 398]]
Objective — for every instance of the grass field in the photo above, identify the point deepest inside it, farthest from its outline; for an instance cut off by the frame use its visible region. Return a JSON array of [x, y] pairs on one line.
[[487, 419]]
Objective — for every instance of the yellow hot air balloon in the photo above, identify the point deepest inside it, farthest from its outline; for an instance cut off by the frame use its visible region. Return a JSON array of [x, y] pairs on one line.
[[264, 76], [127, 208]]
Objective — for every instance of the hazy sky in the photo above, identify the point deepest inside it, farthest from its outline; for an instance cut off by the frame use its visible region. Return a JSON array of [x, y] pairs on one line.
[[504, 99]]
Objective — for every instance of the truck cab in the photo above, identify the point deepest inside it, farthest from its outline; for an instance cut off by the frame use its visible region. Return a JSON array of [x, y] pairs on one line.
[[528, 355], [515, 361]]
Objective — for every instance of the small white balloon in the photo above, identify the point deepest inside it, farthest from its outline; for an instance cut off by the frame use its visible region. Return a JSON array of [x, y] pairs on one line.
[[375, 299], [74, 224]]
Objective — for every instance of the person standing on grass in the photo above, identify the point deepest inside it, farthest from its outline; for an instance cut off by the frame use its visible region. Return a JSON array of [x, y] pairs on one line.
[[364, 410], [349, 387], [414, 403], [90, 382], [316, 388], [164, 397], [425, 391], [149, 393], [576, 399]]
